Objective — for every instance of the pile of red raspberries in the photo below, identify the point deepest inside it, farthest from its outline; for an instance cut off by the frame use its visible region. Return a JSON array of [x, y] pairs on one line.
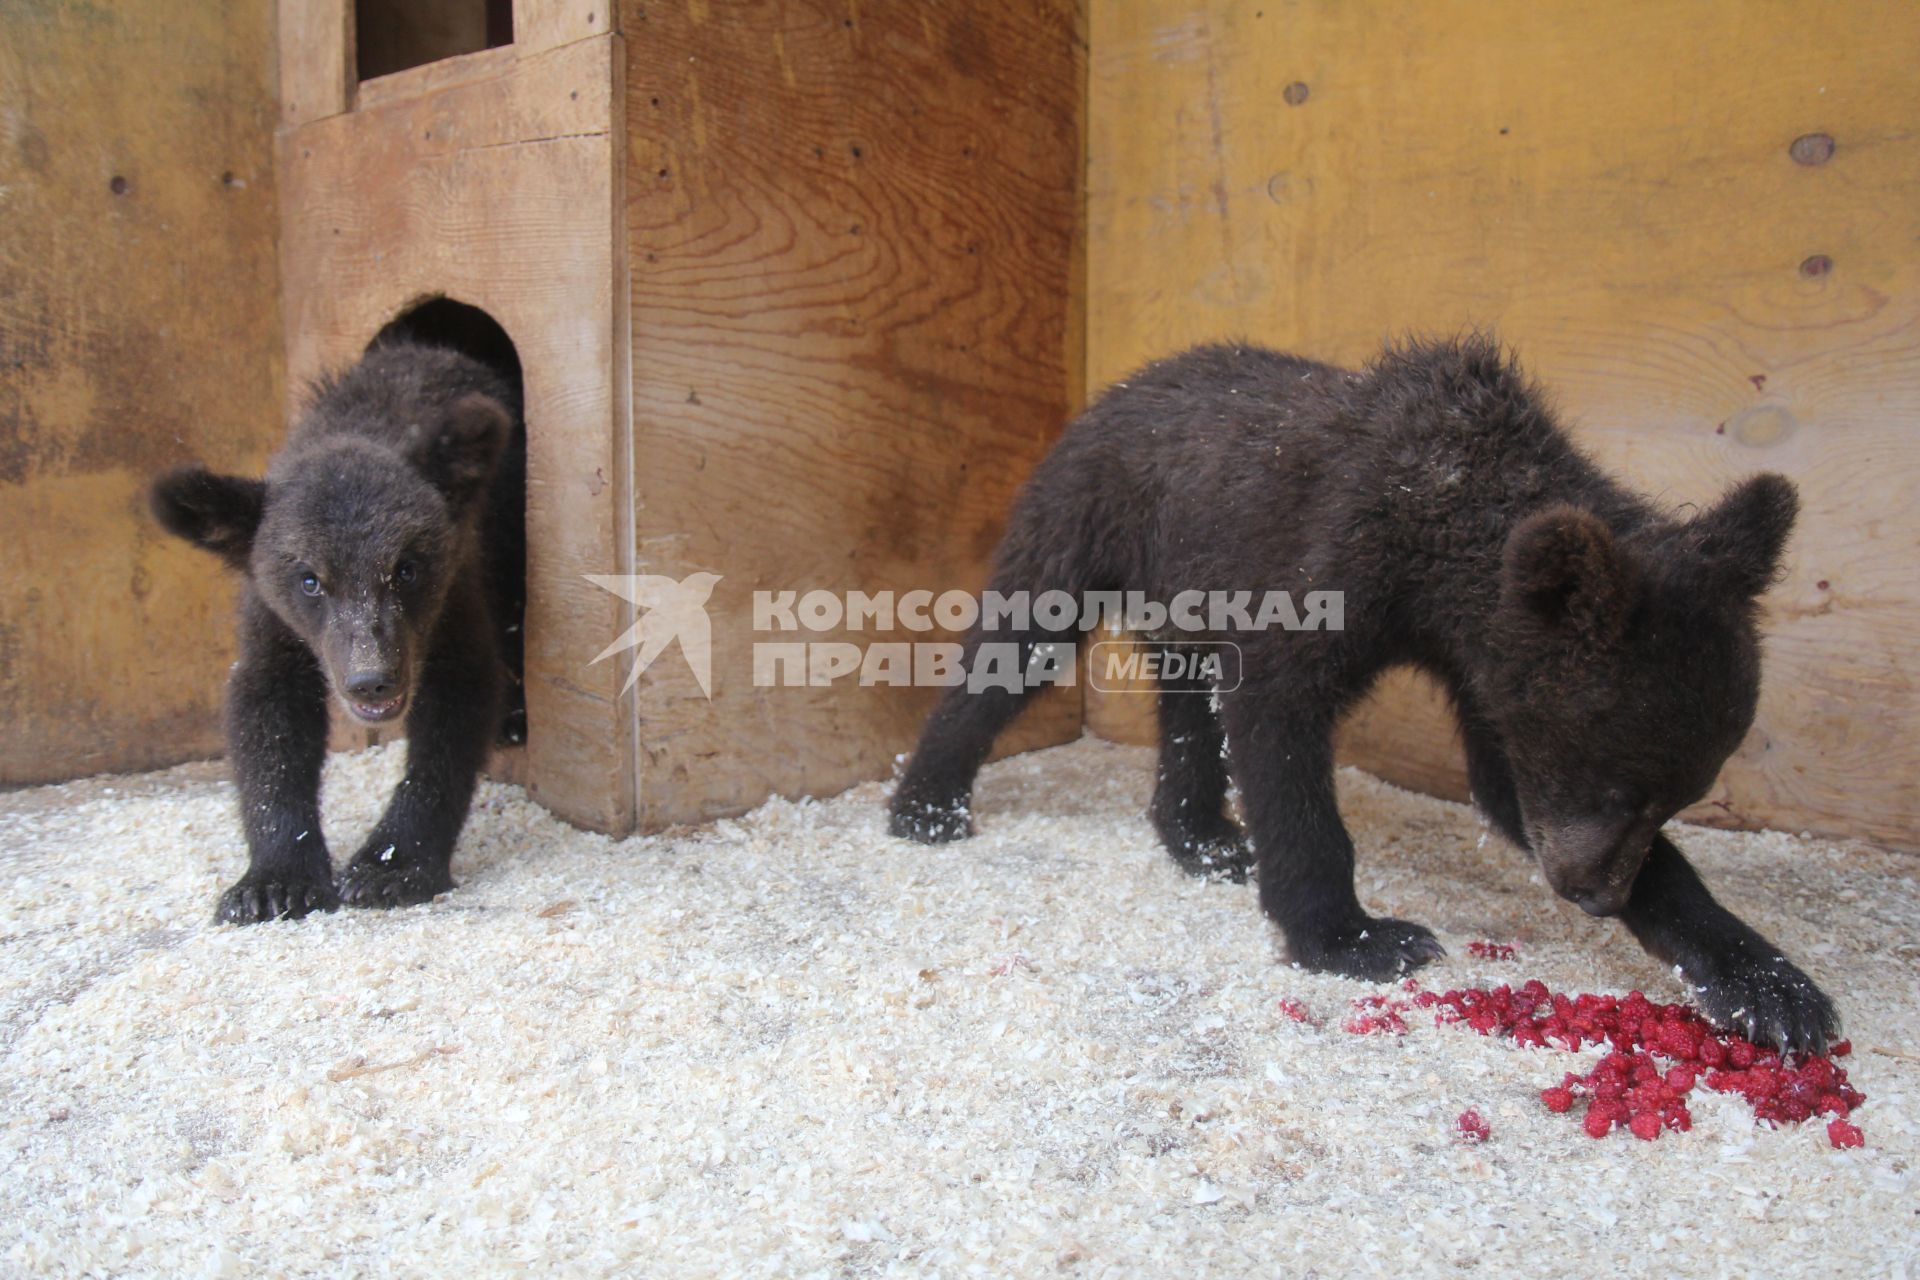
[[1659, 1053]]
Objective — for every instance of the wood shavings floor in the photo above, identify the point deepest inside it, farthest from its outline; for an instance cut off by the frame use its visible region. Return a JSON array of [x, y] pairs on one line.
[[788, 1045]]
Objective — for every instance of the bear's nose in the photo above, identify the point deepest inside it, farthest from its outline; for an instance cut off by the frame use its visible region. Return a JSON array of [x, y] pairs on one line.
[[372, 686], [1602, 902]]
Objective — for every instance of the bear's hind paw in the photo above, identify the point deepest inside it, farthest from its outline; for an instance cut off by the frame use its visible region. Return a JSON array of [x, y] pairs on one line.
[[1225, 857], [930, 821]]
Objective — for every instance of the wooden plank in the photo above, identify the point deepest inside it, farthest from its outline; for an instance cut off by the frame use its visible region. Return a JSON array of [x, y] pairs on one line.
[[548, 24], [1611, 186], [852, 238], [138, 329], [316, 59], [500, 193], [436, 77]]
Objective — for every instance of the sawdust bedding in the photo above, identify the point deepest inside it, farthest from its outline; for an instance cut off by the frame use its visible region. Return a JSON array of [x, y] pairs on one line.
[[788, 1045]]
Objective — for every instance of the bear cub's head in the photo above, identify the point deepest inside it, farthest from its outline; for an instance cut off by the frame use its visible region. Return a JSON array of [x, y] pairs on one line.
[[1628, 671], [353, 537]]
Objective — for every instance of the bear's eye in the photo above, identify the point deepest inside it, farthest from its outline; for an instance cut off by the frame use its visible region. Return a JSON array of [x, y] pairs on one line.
[[309, 585], [405, 571]]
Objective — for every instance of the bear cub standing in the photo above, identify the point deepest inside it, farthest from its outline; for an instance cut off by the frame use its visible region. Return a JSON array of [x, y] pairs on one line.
[[1601, 654], [378, 555]]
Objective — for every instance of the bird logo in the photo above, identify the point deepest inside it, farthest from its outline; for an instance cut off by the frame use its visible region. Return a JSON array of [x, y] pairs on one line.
[[670, 610]]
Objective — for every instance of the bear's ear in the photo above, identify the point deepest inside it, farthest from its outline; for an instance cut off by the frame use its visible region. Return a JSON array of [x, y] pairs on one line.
[[457, 454], [1564, 567], [1742, 536], [217, 513]]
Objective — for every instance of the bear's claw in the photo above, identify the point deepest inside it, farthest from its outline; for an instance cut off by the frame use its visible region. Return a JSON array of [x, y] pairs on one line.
[[1770, 1002], [386, 885], [286, 897]]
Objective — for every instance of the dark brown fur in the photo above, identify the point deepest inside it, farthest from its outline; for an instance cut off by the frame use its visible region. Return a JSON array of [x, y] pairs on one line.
[[1602, 653], [365, 553]]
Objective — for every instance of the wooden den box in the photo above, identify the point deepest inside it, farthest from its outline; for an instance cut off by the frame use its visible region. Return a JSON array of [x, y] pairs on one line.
[[793, 293]]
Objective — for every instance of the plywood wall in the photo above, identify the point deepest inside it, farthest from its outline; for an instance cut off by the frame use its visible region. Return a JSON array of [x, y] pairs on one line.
[[1616, 188], [853, 251], [139, 327]]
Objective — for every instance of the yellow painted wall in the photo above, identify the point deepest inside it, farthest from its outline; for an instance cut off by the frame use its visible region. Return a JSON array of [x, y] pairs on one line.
[[139, 327], [1611, 185]]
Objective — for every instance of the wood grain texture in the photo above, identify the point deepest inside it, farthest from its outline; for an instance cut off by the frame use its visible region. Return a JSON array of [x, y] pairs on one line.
[[1612, 187], [138, 330], [500, 192], [853, 232]]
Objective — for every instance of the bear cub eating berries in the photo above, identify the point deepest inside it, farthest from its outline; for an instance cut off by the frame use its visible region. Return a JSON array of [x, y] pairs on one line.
[[1602, 654], [379, 560]]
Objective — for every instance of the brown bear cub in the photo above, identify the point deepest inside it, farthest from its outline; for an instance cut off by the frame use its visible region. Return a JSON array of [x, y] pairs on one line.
[[1601, 654], [368, 554]]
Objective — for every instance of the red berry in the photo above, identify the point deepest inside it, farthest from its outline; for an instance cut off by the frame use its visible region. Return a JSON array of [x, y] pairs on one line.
[[1472, 1127], [1656, 1055], [1841, 1048], [1678, 1042], [1842, 1134]]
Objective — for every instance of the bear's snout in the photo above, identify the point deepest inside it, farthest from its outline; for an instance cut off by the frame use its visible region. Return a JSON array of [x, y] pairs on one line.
[[375, 695], [1593, 862]]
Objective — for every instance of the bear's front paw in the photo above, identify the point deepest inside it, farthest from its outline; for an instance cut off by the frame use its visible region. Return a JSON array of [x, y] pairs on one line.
[[369, 882], [274, 897], [1375, 950], [930, 820], [1764, 997]]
